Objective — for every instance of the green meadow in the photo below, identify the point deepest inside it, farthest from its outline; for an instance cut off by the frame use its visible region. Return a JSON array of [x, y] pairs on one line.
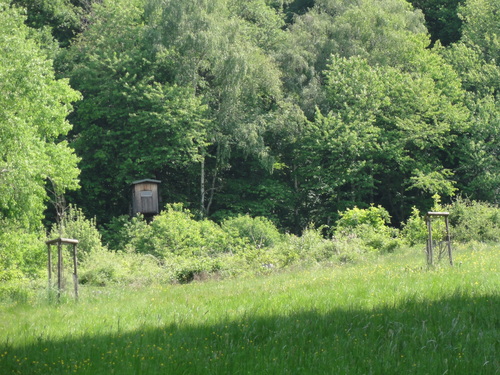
[[389, 315]]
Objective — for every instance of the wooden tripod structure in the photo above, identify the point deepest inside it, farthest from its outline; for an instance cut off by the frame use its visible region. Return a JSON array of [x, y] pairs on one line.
[[428, 219], [60, 241]]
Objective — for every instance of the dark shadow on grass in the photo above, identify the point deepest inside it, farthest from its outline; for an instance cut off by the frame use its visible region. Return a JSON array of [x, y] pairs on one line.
[[458, 335]]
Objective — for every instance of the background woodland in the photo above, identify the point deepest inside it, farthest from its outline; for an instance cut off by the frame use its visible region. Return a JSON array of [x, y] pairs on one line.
[[297, 111]]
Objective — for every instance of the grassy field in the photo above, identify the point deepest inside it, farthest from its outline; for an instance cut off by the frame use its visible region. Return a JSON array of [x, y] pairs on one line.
[[392, 315]]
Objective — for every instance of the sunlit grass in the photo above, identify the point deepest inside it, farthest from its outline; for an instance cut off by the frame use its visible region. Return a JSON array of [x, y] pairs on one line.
[[389, 316]]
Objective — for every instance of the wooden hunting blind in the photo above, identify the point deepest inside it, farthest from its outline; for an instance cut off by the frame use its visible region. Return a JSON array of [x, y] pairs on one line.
[[145, 197]]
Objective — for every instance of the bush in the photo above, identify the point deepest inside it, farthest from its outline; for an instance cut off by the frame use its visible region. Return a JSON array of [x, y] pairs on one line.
[[22, 254], [469, 221], [104, 267], [375, 217], [312, 247], [75, 225], [415, 229], [176, 232], [370, 226], [474, 221], [185, 270], [259, 231], [130, 234], [115, 234]]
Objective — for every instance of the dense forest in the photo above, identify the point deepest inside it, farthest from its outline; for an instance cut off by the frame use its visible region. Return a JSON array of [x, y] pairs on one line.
[[294, 110]]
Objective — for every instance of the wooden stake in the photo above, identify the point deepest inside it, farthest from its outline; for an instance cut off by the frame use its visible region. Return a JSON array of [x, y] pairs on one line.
[[75, 275], [59, 270], [430, 257], [448, 239], [49, 253]]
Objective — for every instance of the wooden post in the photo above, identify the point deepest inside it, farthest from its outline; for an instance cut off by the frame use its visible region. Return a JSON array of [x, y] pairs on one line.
[[430, 259], [59, 270], [75, 275], [49, 254], [448, 239]]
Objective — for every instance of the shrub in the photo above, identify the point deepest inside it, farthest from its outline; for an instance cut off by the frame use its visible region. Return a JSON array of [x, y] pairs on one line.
[[375, 217], [175, 232], [415, 230], [75, 225], [22, 254], [115, 234], [185, 270], [259, 231], [474, 221], [469, 221], [133, 235], [104, 267], [312, 247], [371, 226]]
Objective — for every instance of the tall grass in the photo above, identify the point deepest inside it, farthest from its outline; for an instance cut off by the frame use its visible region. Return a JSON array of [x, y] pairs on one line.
[[390, 316]]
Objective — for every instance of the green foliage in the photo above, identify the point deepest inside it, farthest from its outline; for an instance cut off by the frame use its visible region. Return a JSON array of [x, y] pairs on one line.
[[474, 221], [469, 221], [370, 226], [291, 110], [381, 134], [115, 233], [22, 253], [482, 27], [435, 182], [478, 74], [175, 233], [259, 231], [75, 225], [313, 248], [133, 121], [382, 31], [476, 59], [376, 217], [103, 268], [33, 110], [64, 19], [414, 230], [184, 270], [186, 249], [442, 19], [213, 87], [218, 51]]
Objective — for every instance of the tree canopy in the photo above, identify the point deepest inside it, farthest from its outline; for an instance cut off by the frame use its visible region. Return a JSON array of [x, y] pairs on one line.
[[293, 109], [33, 110]]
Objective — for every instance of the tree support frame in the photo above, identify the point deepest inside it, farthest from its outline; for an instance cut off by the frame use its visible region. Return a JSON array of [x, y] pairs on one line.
[[430, 250], [59, 242]]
